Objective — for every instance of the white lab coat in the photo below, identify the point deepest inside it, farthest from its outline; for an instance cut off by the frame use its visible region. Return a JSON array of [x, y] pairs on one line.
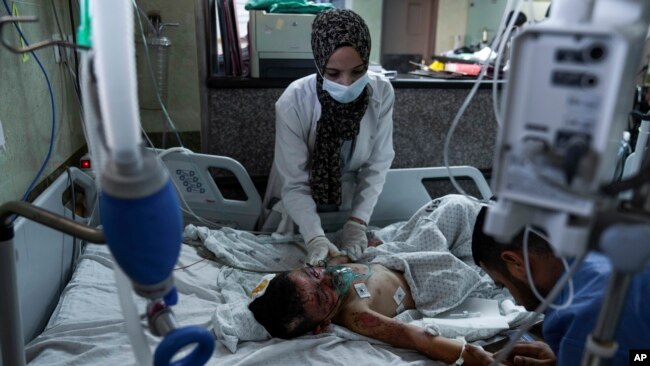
[[297, 112]]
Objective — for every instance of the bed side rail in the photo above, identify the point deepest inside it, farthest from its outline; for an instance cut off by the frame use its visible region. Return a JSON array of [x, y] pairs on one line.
[[191, 174], [45, 257]]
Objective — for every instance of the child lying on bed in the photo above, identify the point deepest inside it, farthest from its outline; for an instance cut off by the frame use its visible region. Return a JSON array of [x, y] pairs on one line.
[[424, 263]]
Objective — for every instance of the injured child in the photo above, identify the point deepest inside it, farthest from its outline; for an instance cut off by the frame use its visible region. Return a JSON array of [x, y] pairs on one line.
[[427, 265]]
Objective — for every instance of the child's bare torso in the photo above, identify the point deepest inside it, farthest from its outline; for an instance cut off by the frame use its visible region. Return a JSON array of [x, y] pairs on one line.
[[384, 288]]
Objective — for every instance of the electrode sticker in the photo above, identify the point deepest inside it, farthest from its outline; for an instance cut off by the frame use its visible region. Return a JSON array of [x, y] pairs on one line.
[[399, 296], [362, 290]]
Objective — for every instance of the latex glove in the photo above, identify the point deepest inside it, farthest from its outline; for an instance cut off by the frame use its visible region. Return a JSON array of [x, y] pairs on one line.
[[319, 248], [353, 239]]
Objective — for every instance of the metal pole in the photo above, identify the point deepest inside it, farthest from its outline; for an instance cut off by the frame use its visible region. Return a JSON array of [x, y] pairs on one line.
[[49, 219], [11, 327], [11, 336], [601, 344]]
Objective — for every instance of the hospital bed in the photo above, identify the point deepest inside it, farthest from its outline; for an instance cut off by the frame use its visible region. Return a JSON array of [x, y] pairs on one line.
[[405, 190], [69, 298]]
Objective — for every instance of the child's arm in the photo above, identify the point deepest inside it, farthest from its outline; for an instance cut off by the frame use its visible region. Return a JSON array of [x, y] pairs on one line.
[[374, 325]]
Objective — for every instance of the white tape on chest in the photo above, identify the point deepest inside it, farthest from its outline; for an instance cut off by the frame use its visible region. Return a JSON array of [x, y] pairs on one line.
[[399, 296], [361, 290]]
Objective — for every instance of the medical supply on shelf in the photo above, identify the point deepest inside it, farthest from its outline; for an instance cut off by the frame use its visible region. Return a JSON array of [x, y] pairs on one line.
[[467, 69]]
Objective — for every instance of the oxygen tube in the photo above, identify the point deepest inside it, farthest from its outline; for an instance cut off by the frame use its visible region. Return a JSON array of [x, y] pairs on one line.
[[139, 207]]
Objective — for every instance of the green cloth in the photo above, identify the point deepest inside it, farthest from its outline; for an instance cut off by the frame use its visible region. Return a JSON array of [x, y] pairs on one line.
[[296, 8], [266, 4], [287, 6]]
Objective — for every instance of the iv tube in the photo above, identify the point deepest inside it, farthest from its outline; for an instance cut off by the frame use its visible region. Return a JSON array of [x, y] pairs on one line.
[[112, 29]]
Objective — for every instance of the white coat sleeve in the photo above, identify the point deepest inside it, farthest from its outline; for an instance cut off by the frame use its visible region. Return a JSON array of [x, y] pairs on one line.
[[292, 160], [372, 174]]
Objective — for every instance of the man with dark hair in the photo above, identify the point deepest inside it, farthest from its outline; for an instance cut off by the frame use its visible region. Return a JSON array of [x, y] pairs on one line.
[[565, 329]]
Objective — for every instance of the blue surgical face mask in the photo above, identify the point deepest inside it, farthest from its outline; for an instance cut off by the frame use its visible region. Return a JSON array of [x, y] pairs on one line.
[[345, 93]]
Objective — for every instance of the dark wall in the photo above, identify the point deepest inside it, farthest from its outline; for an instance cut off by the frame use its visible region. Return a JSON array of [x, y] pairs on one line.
[[241, 125]]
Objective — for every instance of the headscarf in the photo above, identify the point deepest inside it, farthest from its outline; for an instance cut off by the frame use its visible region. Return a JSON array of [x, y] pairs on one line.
[[332, 29]]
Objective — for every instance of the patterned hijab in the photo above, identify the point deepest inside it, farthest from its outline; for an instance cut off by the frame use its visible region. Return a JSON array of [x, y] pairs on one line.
[[332, 29]]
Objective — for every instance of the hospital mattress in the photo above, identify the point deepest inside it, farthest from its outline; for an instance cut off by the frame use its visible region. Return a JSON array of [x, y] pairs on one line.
[[87, 327]]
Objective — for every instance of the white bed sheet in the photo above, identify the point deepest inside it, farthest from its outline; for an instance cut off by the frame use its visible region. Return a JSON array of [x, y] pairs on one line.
[[87, 327], [432, 249]]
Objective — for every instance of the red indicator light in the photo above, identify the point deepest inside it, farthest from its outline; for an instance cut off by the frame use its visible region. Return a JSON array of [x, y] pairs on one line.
[[85, 164]]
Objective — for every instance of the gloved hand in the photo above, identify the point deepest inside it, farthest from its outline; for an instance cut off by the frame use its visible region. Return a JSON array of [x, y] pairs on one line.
[[353, 239], [319, 248]]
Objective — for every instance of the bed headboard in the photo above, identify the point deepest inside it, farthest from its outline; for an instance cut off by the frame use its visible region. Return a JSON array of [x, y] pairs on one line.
[[405, 191], [45, 257]]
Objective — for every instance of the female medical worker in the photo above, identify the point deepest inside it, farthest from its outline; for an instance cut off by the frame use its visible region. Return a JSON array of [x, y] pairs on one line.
[[333, 141]]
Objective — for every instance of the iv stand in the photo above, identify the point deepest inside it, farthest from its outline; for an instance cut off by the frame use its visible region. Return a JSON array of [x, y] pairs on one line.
[[624, 240]]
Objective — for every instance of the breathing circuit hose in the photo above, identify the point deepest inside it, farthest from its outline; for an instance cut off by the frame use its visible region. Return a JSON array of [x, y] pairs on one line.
[[177, 339]]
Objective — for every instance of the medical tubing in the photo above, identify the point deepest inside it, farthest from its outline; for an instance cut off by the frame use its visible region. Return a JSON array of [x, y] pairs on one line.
[[503, 41], [73, 32], [147, 137], [498, 40], [76, 245], [179, 338], [226, 264], [52, 106], [93, 131], [503, 353], [529, 275], [114, 64], [450, 133], [146, 17], [134, 330], [153, 78], [641, 143], [455, 122]]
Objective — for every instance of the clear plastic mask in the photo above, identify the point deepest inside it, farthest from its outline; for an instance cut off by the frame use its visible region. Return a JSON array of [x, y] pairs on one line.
[[342, 277]]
